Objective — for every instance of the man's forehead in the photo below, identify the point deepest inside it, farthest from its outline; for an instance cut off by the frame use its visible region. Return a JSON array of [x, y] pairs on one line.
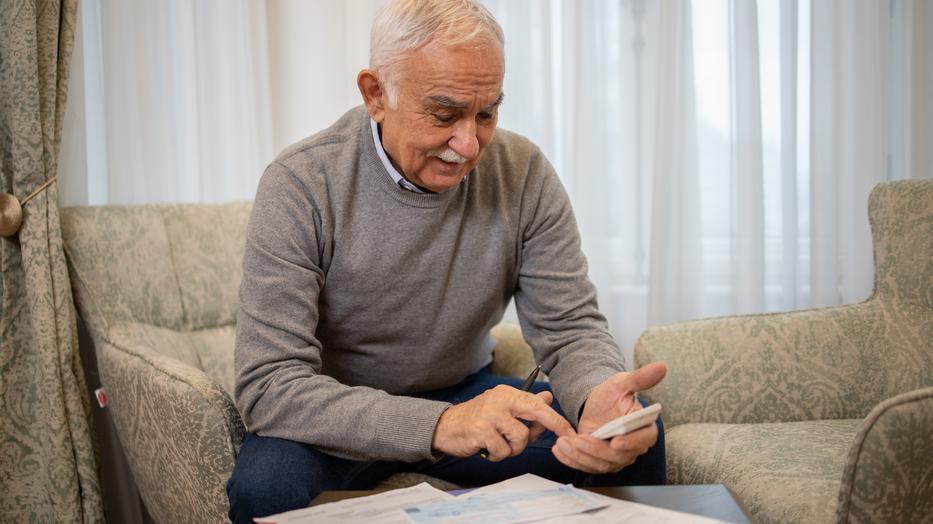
[[454, 76]]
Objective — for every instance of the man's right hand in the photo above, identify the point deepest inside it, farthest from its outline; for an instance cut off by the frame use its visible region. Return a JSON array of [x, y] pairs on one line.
[[493, 421]]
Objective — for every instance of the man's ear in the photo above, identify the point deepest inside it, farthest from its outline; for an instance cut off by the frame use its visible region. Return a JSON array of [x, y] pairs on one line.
[[373, 95]]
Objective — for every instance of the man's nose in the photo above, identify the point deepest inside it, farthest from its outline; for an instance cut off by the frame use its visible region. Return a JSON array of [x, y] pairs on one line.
[[464, 140]]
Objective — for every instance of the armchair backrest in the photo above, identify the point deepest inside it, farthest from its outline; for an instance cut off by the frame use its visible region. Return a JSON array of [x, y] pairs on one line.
[[173, 266], [901, 217]]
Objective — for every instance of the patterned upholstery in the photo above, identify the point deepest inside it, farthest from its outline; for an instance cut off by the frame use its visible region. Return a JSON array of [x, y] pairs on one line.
[[800, 464], [889, 467], [789, 410], [157, 286]]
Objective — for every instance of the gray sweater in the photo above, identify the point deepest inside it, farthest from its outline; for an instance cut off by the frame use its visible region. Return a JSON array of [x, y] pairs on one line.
[[357, 293]]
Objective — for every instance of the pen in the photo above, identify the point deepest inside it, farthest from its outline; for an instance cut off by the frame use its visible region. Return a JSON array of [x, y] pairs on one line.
[[526, 386]]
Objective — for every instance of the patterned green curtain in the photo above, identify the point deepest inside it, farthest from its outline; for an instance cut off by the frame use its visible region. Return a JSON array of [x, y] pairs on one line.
[[48, 470]]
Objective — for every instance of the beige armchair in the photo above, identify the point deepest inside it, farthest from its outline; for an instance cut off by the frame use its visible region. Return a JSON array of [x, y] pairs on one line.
[[824, 415], [157, 287]]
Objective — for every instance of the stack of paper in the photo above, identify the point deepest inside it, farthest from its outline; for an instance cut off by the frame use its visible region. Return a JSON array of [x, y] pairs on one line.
[[528, 498]]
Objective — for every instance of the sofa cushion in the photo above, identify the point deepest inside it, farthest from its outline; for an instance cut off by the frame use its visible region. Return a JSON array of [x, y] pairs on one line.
[[781, 472], [209, 350]]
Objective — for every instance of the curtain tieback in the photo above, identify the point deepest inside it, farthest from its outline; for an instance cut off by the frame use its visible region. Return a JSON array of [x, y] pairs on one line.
[[11, 210]]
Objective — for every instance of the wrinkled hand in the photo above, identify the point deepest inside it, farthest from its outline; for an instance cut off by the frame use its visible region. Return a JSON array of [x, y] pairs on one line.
[[613, 398], [491, 421]]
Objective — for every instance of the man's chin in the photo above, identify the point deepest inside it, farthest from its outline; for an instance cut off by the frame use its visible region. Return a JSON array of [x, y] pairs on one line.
[[443, 185], [441, 181]]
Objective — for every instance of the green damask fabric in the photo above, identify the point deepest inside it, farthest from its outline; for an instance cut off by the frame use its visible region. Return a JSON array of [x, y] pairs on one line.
[[889, 470], [48, 471], [782, 472]]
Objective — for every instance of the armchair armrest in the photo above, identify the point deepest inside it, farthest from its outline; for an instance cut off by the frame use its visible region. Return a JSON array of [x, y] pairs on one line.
[[828, 363], [179, 429], [889, 472]]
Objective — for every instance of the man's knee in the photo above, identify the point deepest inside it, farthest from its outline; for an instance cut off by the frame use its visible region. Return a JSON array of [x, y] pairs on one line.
[[260, 495], [272, 476]]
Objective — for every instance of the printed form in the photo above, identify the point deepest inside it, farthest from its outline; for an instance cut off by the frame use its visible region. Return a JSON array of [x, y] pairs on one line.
[[381, 508], [526, 498]]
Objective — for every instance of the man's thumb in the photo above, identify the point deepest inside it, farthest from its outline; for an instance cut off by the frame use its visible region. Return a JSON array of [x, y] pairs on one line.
[[645, 377]]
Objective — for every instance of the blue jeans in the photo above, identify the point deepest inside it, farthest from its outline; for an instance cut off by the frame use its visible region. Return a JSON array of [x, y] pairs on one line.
[[273, 475]]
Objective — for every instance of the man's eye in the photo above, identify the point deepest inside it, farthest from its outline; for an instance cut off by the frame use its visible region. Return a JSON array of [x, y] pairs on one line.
[[444, 118], [485, 117]]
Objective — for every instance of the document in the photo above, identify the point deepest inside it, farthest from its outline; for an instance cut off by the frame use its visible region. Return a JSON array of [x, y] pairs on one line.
[[526, 498], [506, 507], [625, 512], [381, 508], [615, 511]]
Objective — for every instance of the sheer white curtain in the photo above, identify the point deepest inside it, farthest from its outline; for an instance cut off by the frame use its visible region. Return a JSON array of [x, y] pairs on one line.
[[719, 153], [169, 102]]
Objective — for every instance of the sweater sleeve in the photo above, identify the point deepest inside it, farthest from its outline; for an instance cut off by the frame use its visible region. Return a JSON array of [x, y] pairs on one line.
[[555, 299], [279, 388]]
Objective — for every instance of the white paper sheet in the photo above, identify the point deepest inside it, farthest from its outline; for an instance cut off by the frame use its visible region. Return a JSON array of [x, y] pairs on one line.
[[625, 512], [526, 482], [381, 508], [617, 511], [506, 507]]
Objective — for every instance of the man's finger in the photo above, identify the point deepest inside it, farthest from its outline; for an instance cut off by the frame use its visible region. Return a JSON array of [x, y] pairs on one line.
[[591, 462], [566, 458], [535, 430], [600, 450], [516, 434], [496, 445], [536, 411], [641, 438]]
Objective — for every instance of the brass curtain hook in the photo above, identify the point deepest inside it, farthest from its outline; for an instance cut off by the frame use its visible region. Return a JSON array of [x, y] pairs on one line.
[[11, 210]]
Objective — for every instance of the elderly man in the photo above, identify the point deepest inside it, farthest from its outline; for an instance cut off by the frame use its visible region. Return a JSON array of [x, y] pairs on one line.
[[379, 254]]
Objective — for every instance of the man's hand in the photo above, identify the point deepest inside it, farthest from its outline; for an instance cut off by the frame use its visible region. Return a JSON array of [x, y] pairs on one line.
[[613, 398], [491, 421]]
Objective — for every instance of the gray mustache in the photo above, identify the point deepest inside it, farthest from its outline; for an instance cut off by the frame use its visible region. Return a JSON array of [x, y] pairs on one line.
[[448, 155]]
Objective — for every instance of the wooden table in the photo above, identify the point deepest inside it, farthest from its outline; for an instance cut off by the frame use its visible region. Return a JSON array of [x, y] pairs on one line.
[[708, 500]]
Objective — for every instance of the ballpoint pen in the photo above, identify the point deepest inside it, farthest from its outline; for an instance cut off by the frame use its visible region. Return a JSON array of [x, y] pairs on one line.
[[526, 386]]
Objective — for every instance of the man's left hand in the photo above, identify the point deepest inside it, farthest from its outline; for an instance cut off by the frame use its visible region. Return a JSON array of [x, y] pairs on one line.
[[611, 399]]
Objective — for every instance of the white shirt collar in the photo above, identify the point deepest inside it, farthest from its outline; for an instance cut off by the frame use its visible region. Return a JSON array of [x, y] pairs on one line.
[[399, 179]]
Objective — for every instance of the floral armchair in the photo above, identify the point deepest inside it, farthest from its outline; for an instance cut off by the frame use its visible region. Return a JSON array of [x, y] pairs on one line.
[[823, 415]]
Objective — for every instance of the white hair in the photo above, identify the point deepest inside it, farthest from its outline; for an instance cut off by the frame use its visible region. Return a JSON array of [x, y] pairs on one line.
[[404, 26]]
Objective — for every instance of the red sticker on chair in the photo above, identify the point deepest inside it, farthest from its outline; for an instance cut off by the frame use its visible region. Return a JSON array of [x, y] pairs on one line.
[[101, 397]]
